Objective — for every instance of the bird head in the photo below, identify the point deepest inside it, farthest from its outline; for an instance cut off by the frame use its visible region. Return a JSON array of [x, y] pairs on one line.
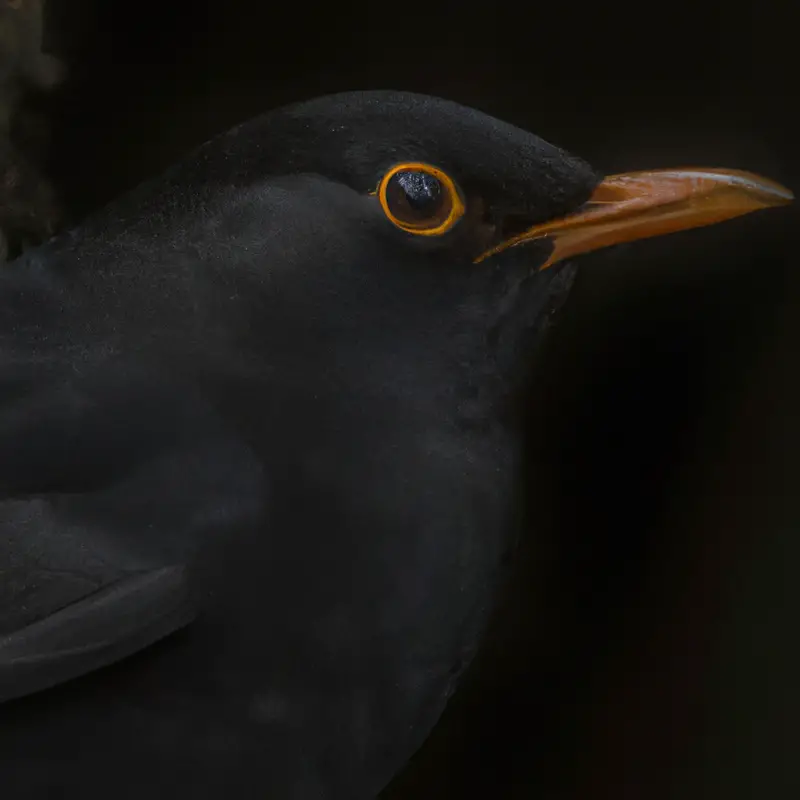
[[387, 228], [397, 215]]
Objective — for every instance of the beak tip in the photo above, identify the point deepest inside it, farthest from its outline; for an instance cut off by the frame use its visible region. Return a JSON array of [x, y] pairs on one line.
[[783, 196], [771, 193]]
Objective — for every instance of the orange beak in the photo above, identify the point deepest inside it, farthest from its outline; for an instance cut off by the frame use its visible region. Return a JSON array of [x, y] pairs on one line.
[[637, 205]]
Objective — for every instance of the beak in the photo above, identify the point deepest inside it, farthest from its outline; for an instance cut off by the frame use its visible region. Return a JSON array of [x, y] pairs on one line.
[[637, 205]]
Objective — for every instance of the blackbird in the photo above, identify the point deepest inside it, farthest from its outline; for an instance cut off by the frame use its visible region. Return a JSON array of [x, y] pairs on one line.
[[259, 427]]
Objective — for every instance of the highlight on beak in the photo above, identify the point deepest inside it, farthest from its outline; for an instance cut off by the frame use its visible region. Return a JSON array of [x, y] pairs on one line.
[[637, 205]]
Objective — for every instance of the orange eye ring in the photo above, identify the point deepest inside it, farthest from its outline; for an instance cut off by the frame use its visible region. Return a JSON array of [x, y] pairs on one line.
[[435, 188]]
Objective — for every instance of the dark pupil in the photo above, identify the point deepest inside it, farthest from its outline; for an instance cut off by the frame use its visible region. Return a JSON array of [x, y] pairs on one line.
[[415, 196]]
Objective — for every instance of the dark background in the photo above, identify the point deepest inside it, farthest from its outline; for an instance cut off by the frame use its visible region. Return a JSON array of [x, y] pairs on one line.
[[646, 645]]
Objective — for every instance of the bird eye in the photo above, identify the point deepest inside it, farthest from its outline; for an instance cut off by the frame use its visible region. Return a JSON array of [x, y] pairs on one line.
[[420, 199]]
